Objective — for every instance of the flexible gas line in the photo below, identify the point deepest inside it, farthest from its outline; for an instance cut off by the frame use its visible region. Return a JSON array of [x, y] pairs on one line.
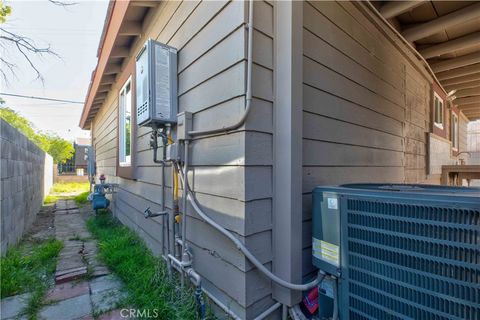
[[248, 93], [240, 246]]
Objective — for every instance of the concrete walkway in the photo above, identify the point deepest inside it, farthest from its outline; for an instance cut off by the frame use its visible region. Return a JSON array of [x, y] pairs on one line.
[[84, 288]]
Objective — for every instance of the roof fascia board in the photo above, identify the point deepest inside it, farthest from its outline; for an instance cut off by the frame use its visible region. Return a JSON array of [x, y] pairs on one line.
[[117, 16]]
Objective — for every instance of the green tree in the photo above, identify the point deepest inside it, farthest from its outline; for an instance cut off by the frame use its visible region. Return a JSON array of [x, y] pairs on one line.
[[60, 149], [4, 12]]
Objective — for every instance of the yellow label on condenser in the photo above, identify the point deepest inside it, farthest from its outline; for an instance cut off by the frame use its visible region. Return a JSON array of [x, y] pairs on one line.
[[326, 251]]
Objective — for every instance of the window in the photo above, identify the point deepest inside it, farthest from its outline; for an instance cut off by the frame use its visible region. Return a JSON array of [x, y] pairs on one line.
[[454, 131], [125, 124], [438, 111]]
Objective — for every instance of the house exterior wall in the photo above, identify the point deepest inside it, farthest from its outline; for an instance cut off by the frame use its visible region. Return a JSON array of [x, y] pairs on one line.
[[80, 152], [473, 142], [230, 179], [366, 103], [462, 132], [366, 117]]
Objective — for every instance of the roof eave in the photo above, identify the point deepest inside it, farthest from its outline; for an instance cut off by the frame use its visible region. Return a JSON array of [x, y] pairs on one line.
[[115, 15]]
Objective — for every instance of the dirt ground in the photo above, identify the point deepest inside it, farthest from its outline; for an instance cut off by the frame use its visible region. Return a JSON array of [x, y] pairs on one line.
[[43, 227]]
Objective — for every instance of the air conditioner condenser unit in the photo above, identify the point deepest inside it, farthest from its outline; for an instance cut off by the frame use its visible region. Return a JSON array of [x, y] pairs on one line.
[[398, 251]]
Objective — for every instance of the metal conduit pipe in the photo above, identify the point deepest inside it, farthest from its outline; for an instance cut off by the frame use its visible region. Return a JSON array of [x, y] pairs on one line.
[[284, 312], [240, 246], [221, 305], [248, 93], [296, 313], [196, 280], [268, 312], [185, 255]]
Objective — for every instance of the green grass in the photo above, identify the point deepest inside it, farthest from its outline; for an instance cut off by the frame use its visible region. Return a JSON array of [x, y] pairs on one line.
[[81, 199], [29, 267], [70, 187], [50, 199], [59, 189], [145, 276]]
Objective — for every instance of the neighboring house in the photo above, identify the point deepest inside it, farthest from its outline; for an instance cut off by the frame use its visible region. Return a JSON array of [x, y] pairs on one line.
[[473, 144], [81, 146], [339, 96], [79, 159]]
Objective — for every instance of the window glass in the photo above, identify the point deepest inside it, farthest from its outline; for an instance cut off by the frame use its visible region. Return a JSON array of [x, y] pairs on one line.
[[454, 131], [438, 111], [125, 128]]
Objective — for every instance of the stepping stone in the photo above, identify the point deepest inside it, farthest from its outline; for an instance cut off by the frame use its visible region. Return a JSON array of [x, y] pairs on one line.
[[71, 204], [68, 309], [71, 261], [104, 283], [106, 300], [67, 290], [12, 307], [90, 247], [114, 315], [100, 271], [71, 275], [61, 205], [86, 318]]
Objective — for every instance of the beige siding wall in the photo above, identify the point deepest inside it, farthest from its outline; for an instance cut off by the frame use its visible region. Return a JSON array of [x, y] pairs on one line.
[[225, 170], [462, 133], [366, 105]]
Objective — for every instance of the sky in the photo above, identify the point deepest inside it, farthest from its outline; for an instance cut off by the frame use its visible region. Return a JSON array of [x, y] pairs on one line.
[[74, 33]]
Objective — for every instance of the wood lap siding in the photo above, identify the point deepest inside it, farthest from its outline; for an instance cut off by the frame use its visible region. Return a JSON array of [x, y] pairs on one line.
[[259, 154], [462, 134], [365, 108], [210, 37]]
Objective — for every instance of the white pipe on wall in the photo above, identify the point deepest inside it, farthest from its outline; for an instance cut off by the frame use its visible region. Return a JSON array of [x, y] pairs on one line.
[[248, 93], [240, 246]]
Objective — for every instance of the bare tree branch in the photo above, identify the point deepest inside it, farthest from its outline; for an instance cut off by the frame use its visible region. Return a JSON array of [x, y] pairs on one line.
[[10, 66], [62, 3], [26, 47]]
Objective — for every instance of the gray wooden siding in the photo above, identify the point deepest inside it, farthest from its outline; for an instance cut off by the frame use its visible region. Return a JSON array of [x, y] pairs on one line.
[[366, 108], [231, 179], [365, 116], [259, 156]]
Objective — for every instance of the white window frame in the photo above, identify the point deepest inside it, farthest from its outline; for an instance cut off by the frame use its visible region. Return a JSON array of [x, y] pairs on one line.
[[124, 160], [441, 110], [454, 127]]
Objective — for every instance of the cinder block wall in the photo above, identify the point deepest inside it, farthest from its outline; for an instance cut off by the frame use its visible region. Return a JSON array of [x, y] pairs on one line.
[[23, 183]]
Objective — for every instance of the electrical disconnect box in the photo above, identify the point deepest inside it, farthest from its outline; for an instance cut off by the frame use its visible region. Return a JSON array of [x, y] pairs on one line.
[[156, 85]]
